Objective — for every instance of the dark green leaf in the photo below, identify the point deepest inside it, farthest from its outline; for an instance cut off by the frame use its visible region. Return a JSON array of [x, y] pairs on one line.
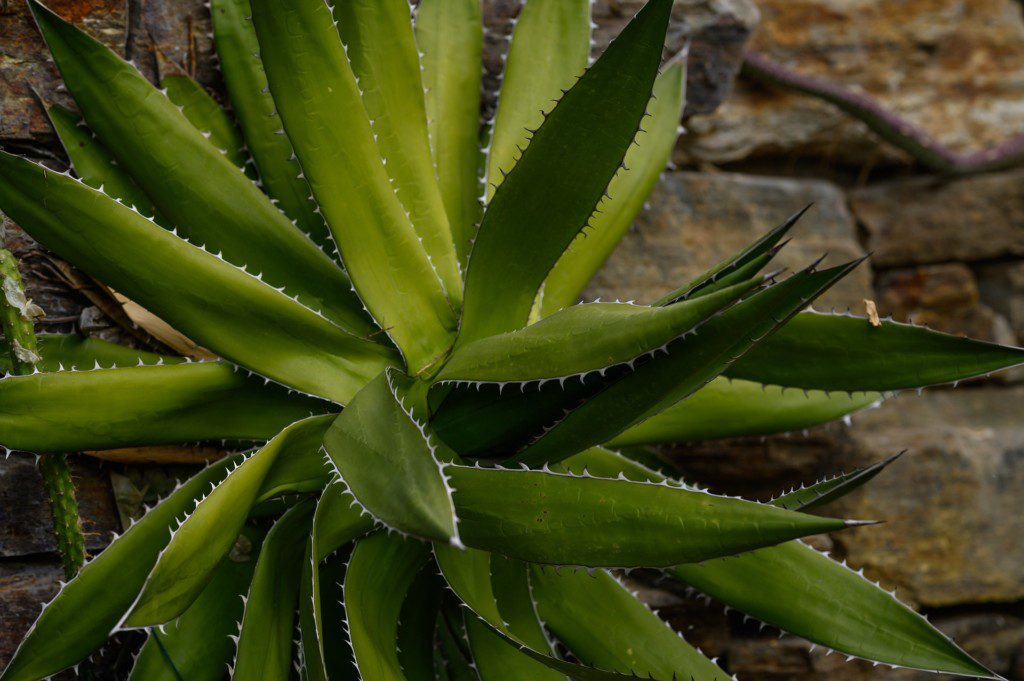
[[841, 352], [552, 191], [605, 625], [376, 433]]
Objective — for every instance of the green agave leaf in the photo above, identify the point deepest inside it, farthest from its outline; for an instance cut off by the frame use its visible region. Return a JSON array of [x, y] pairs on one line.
[[143, 405], [378, 578], [265, 638], [563, 519], [629, 189], [318, 98], [253, 104], [197, 646], [743, 265], [606, 463], [417, 625], [85, 612], [734, 408], [491, 423], [468, 573], [69, 351], [381, 48], [794, 587], [449, 35], [820, 493], [685, 367], [582, 339], [154, 142], [200, 542], [842, 352], [378, 432], [326, 654], [603, 624], [548, 52], [302, 470], [455, 662], [206, 115], [494, 658], [247, 321], [339, 520], [554, 188], [96, 166], [511, 585]]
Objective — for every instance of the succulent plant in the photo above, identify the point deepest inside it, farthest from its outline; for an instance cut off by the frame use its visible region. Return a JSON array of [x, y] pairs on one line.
[[436, 421]]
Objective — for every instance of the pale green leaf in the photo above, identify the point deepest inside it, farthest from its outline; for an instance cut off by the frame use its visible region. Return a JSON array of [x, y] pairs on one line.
[[232, 313], [317, 96], [549, 50], [209, 532], [734, 408], [382, 50], [449, 35], [143, 405], [252, 103]]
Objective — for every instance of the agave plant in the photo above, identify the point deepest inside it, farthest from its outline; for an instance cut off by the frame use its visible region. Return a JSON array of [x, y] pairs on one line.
[[391, 302]]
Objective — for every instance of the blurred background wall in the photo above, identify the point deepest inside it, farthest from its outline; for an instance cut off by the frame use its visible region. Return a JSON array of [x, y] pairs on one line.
[[946, 252]]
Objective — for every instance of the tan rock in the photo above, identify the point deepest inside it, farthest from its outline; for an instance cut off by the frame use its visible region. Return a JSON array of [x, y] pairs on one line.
[[953, 67], [943, 297], [1002, 287], [925, 221], [697, 219]]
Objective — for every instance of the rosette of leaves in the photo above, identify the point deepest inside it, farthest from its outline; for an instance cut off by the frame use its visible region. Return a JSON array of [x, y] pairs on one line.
[[391, 296]]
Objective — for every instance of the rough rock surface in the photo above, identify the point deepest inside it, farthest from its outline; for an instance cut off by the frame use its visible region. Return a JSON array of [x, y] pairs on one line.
[[25, 63], [27, 527], [926, 221], [697, 219], [1002, 287], [943, 297], [953, 67]]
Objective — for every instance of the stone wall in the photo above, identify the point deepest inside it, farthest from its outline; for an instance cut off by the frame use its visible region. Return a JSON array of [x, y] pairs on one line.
[[946, 253]]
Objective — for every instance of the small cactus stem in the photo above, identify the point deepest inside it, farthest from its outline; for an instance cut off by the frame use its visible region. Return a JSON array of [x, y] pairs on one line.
[[17, 316], [60, 488]]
